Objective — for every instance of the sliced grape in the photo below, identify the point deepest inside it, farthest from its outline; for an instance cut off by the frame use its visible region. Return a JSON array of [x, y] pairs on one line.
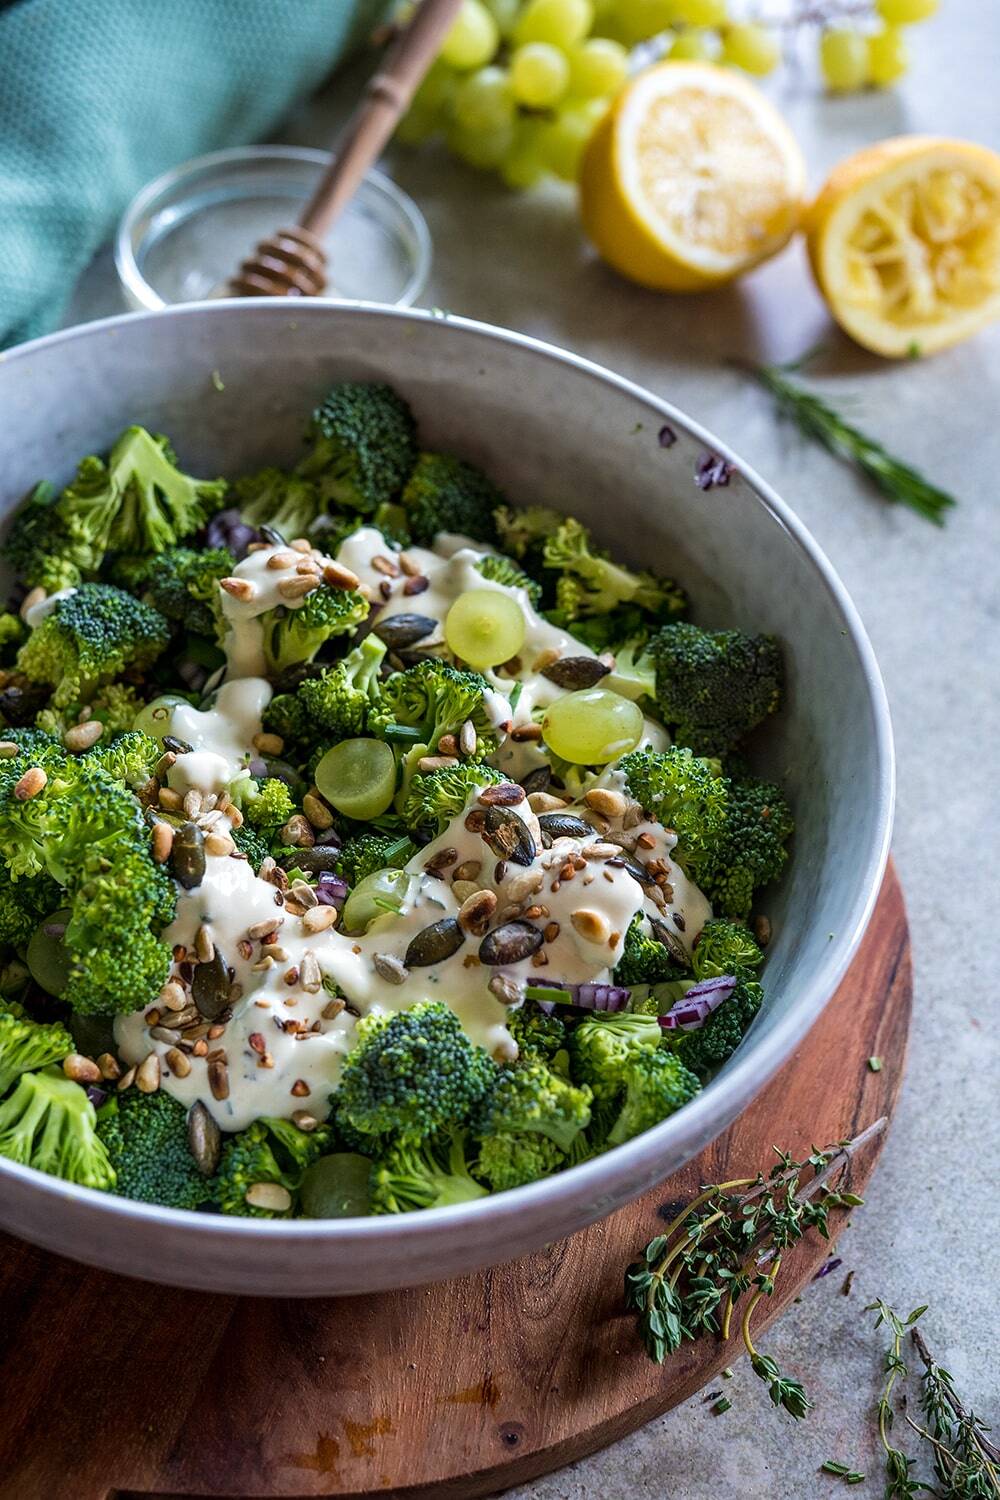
[[46, 954], [379, 893], [156, 718], [484, 627], [336, 1187], [358, 778], [592, 727]]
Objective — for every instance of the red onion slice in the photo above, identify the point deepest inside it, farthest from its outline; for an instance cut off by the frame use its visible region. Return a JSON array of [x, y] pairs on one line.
[[604, 997], [698, 1004]]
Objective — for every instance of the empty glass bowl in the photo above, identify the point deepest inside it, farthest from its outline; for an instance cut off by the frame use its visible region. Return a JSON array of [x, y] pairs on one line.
[[186, 232]]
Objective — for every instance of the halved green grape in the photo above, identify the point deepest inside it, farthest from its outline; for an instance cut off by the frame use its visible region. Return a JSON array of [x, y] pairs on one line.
[[539, 75], [484, 627], [905, 12], [753, 48], [888, 58], [473, 38], [336, 1187], [384, 891], [592, 727], [483, 100], [694, 46], [597, 68], [46, 954], [843, 59], [558, 22], [358, 778], [155, 719]]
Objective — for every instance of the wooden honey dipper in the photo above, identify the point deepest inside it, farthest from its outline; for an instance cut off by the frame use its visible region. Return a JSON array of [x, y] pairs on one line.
[[292, 262]]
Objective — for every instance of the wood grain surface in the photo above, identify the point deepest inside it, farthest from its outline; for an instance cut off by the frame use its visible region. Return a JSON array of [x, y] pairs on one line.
[[116, 1390]]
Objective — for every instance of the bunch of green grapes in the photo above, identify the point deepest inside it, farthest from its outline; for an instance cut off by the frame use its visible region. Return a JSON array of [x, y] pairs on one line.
[[519, 85]]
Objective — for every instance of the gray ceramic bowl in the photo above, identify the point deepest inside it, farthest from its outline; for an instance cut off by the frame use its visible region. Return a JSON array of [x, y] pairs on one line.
[[230, 382]]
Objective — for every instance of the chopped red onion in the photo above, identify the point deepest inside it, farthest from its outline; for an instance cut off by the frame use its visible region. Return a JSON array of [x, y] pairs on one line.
[[95, 1095], [698, 1004], [607, 997], [227, 528], [331, 889], [828, 1266]]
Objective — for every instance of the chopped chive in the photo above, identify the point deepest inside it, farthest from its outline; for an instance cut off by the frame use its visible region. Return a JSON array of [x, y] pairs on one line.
[[722, 1405], [875, 1064]]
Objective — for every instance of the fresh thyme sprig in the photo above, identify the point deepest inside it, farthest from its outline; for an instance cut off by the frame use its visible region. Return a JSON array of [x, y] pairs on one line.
[[730, 1241], [896, 480], [899, 1481]]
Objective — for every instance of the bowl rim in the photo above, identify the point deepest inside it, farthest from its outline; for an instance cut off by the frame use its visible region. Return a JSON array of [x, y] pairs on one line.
[[133, 283], [710, 1112]]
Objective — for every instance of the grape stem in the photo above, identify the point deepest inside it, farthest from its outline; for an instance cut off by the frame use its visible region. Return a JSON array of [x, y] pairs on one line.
[[812, 14]]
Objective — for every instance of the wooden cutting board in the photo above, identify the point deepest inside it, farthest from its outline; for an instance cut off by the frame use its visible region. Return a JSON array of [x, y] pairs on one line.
[[115, 1390]]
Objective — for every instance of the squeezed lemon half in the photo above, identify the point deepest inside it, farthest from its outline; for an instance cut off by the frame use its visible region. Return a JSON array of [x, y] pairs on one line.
[[690, 179], [904, 241]]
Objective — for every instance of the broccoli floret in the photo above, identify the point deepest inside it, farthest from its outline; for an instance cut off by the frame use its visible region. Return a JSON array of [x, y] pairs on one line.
[[509, 1161], [751, 852], [713, 687], [139, 500], [89, 638], [523, 531], [48, 1123], [12, 633], [268, 807], [26, 1045], [656, 1084], [333, 706], [363, 447], [272, 1151], [683, 793], [428, 1174], [86, 832], [503, 570], [645, 958], [435, 699], [362, 856], [413, 1073], [251, 844], [435, 798], [590, 584], [130, 758], [530, 1098], [293, 636], [632, 675], [725, 948], [447, 494], [23, 903], [146, 1138], [536, 1034], [601, 1048], [115, 706], [287, 503], [35, 747], [707, 1048], [41, 550], [181, 583]]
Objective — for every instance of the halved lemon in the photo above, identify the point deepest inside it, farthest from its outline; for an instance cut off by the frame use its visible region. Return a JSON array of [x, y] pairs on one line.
[[691, 178], [904, 240]]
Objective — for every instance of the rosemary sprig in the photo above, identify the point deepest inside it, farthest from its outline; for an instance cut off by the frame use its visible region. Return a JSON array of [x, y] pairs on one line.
[[896, 480], [729, 1241]]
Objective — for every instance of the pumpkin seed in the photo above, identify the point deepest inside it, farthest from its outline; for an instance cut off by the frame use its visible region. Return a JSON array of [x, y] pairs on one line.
[[560, 825], [673, 944], [210, 987], [179, 747], [508, 836], [536, 780], [632, 867], [434, 944], [204, 1139], [509, 944], [404, 630], [271, 534], [574, 672], [321, 859], [187, 856]]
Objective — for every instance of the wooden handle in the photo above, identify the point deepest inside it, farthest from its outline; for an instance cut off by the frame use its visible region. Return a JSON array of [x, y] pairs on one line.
[[376, 117]]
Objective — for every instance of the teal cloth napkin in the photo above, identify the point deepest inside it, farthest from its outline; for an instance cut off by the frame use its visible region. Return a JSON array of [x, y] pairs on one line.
[[98, 96]]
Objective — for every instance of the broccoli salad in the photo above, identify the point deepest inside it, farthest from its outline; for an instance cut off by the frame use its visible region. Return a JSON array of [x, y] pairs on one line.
[[367, 843]]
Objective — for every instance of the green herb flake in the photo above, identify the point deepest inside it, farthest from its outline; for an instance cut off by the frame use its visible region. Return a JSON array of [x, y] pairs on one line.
[[874, 1065], [841, 1471], [217, 381], [722, 1405]]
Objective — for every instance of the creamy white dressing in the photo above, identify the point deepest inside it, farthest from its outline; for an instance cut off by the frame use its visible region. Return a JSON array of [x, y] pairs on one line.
[[42, 608], [244, 639], [221, 736]]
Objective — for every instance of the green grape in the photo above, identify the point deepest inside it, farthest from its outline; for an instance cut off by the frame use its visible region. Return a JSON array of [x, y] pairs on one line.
[[156, 718], [565, 137], [700, 12], [539, 75], [336, 1187], [484, 627], [888, 58], [523, 166], [694, 46], [416, 127], [46, 955], [633, 21], [482, 149], [358, 778], [384, 891], [473, 38], [905, 12], [436, 94], [483, 101], [592, 727], [753, 48], [843, 59], [505, 13], [560, 23], [597, 68]]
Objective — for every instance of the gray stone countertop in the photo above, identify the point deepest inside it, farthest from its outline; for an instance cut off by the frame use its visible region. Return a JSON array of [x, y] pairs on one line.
[[930, 599]]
